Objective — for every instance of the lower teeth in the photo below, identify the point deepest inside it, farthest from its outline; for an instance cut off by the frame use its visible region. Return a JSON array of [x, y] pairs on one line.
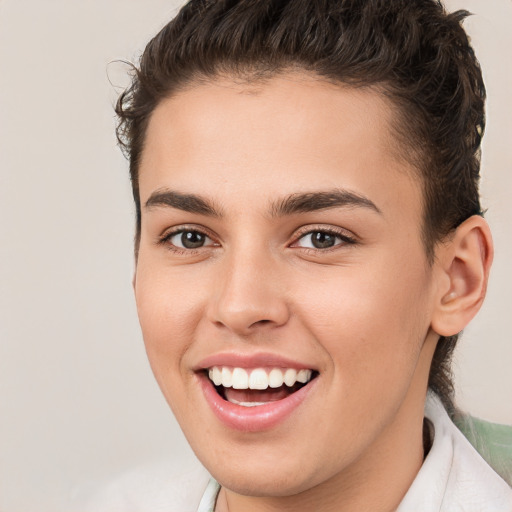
[[253, 398], [246, 404]]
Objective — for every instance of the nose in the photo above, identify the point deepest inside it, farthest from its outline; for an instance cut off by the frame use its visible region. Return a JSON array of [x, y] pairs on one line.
[[249, 294]]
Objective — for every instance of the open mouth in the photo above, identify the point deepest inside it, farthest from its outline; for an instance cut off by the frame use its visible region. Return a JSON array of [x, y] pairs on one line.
[[259, 386]]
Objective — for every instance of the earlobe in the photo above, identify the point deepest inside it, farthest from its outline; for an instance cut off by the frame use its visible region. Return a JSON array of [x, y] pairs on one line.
[[465, 261]]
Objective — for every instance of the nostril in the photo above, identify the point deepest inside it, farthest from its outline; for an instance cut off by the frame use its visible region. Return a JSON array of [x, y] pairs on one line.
[[260, 322]]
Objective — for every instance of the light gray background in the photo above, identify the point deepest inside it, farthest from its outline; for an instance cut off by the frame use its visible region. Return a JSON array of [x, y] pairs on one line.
[[77, 399]]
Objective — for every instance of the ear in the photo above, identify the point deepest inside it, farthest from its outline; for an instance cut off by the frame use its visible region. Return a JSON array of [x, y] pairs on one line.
[[463, 263]]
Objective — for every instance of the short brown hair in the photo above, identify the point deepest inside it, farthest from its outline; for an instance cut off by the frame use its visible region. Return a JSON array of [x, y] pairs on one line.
[[413, 51]]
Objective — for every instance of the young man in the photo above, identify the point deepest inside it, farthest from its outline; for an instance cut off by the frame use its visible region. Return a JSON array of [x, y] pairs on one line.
[[309, 244]]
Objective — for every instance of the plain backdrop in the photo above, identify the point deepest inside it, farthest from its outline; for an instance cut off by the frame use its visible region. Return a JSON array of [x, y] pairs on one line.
[[77, 399]]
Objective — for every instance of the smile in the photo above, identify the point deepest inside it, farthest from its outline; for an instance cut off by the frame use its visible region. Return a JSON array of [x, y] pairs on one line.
[[255, 399], [258, 378]]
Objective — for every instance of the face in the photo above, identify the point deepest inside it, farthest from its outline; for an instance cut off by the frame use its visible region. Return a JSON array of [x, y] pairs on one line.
[[282, 285]]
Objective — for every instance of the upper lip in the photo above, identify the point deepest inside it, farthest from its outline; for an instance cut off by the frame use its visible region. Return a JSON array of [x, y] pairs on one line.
[[255, 360]]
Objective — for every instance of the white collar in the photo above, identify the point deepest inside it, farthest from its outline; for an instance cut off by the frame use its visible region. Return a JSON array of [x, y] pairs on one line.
[[209, 497]]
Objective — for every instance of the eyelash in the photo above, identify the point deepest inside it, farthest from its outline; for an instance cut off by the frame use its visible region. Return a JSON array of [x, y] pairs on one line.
[[345, 238], [340, 234], [166, 239]]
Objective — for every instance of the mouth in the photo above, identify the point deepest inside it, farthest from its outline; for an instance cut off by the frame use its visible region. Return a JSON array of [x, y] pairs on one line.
[[257, 387], [256, 392]]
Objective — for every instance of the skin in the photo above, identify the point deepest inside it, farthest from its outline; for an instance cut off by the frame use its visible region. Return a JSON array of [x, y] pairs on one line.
[[367, 315]]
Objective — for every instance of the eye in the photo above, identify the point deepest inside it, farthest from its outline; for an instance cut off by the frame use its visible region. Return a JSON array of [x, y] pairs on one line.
[[322, 239], [188, 239]]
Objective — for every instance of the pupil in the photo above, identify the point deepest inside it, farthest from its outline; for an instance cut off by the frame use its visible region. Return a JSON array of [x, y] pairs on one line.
[[192, 239], [323, 240]]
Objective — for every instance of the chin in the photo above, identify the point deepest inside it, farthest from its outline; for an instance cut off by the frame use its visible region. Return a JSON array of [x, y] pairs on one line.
[[267, 471], [271, 484]]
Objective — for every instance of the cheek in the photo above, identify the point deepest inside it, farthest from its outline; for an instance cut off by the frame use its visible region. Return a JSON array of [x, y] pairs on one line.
[[371, 321], [168, 315], [169, 310]]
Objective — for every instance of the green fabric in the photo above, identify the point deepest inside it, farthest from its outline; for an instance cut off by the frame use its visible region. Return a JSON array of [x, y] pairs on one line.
[[491, 440]]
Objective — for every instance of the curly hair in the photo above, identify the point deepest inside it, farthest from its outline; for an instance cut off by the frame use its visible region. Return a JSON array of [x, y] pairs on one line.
[[412, 51]]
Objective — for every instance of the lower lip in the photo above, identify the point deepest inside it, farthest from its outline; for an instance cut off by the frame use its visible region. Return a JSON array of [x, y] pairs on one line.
[[253, 419]]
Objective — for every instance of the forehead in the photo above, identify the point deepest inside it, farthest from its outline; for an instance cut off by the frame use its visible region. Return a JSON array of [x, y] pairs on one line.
[[288, 134], [290, 105]]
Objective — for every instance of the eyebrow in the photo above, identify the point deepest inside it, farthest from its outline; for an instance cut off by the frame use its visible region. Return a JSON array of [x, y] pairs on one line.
[[301, 202], [314, 201], [187, 202]]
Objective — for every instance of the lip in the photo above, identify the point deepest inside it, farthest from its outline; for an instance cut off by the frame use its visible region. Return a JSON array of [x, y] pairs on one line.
[[253, 419], [257, 360]]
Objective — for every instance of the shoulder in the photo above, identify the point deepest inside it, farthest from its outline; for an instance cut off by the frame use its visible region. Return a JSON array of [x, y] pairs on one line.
[[158, 487], [491, 440], [466, 480], [454, 476], [474, 480]]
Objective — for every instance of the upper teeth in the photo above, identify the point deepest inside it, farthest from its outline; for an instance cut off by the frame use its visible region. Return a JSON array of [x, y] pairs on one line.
[[259, 378]]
